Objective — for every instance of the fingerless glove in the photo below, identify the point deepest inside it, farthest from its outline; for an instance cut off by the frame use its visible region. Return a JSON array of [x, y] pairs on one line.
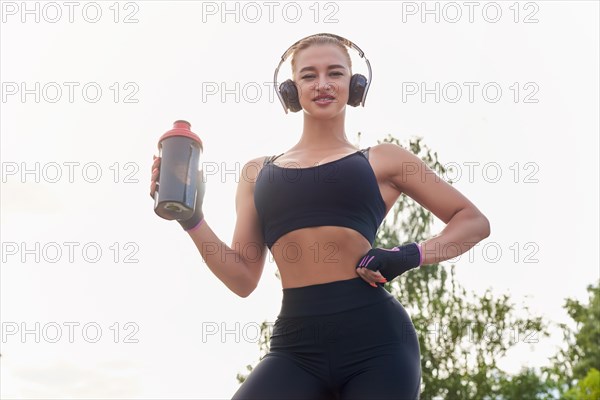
[[392, 262]]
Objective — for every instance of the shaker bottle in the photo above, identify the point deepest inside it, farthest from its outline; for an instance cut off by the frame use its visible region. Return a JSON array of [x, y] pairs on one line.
[[180, 151]]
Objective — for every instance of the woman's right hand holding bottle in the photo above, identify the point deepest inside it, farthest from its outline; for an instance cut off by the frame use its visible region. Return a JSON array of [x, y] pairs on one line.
[[198, 217]]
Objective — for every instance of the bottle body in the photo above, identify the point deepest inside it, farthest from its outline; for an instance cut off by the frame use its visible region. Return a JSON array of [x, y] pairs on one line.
[[180, 153]]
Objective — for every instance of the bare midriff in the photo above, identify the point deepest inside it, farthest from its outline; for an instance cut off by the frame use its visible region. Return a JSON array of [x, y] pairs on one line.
[[320, 254]]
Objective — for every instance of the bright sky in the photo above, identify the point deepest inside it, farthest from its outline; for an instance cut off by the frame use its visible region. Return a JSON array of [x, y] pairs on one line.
[[124, 305]]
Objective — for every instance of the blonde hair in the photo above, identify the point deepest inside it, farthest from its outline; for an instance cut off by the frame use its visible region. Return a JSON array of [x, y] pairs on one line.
[[320, 39]]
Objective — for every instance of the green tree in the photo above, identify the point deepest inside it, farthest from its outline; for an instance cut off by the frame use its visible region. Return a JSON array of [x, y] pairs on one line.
[[461, 336], [527, 384], [581, 355], [586, 389]]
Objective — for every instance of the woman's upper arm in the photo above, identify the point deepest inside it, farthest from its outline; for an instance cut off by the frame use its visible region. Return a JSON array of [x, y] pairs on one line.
[[408, 174], [248, 239]]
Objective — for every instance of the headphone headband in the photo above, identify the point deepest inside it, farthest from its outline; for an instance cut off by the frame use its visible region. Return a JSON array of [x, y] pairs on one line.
[[345, 41]]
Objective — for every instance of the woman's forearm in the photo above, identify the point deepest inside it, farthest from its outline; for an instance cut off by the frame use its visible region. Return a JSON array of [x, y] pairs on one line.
[[227, 264], [466, 228]]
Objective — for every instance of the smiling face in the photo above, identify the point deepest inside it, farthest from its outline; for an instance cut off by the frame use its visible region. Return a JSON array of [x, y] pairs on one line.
[[322, 75]]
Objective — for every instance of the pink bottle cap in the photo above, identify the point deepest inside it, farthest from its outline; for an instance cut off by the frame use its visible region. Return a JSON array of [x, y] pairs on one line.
[[181, 128]]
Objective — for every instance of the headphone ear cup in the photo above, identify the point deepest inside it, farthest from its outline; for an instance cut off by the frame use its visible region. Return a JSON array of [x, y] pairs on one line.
[[358, 84], [289, 93]]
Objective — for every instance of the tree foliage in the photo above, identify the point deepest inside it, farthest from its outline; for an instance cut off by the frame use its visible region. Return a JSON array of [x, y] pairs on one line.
[[576, 362], [587, 388]]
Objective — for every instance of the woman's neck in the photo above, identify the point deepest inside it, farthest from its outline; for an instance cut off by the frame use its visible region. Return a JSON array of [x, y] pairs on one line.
[[323, 134]]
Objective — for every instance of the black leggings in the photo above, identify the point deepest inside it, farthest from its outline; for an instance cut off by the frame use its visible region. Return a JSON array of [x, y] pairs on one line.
[[338, 340]]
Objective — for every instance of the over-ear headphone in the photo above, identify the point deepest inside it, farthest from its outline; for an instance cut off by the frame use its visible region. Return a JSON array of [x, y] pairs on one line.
[[288, 92]]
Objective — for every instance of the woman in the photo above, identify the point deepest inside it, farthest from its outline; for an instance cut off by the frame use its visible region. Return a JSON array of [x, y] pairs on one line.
[[317, 207]]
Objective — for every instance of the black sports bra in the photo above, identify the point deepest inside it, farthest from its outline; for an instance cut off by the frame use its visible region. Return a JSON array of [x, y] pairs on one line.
[[343, 192]]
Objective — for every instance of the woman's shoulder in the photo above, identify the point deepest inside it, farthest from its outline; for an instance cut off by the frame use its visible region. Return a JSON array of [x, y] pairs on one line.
[[252, 167], [260, 161], [388, 159], [388, 150], [256, 161]]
